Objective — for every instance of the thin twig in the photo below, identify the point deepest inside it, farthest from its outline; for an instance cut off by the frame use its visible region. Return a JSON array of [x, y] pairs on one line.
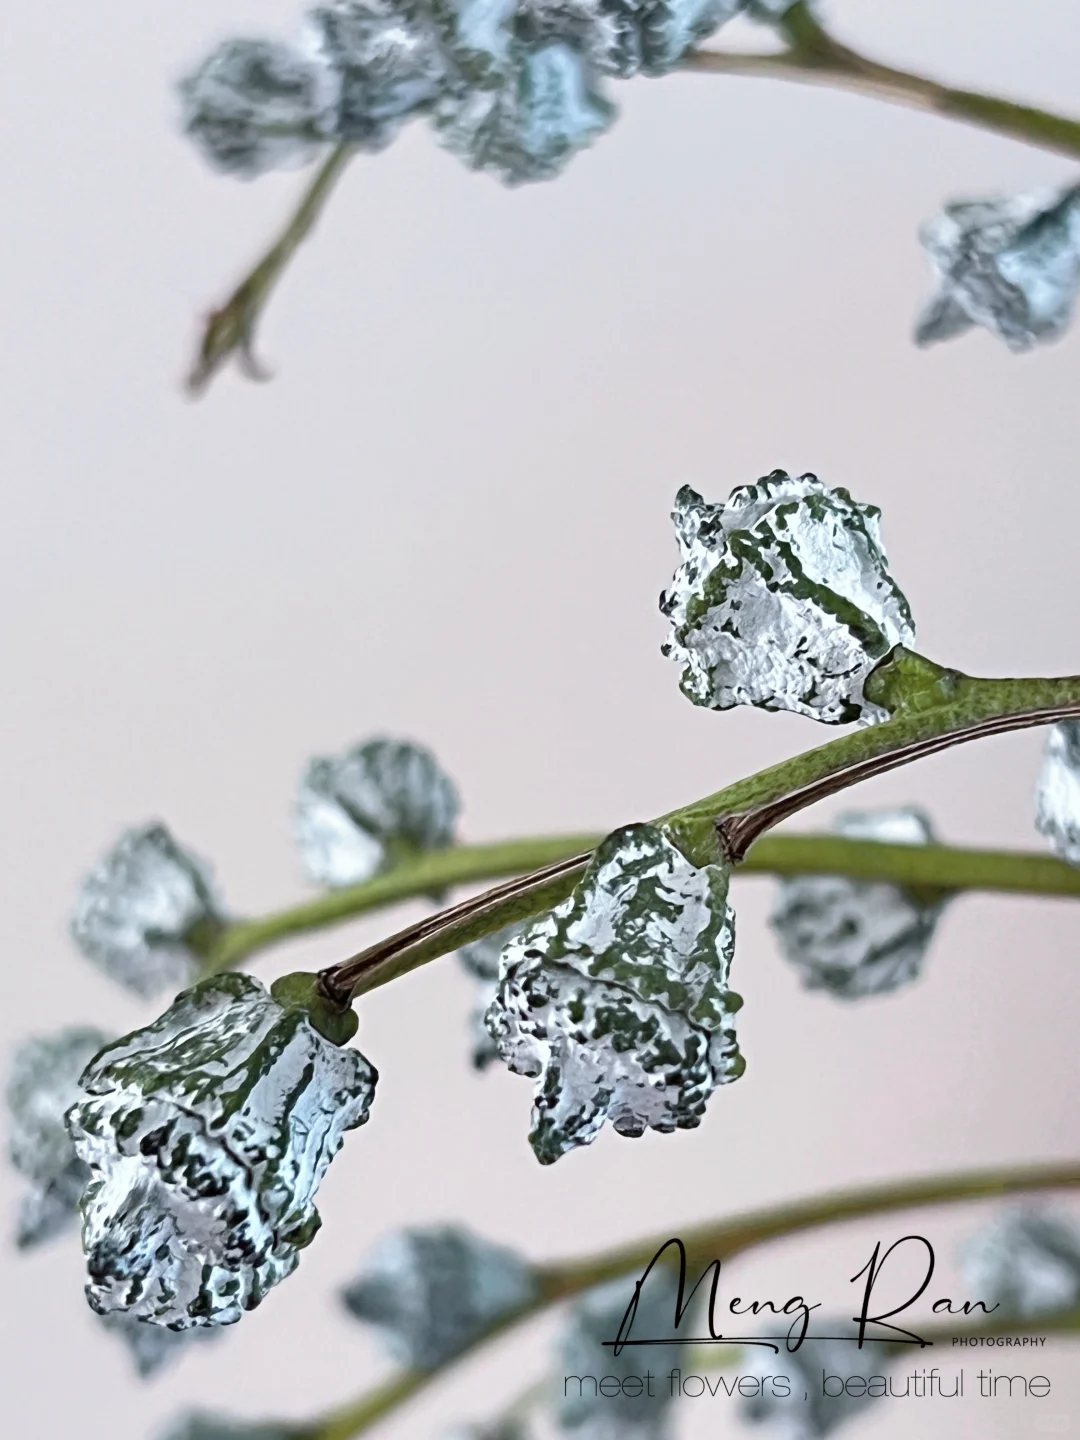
[[231, 330]]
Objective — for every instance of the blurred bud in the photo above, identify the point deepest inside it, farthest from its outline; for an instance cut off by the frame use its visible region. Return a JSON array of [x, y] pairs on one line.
[[258, 105], [853, 937], [806, 1412], [202, 1425], [433, 1292], [152, 1347], [783, 599], [1057, 798], [207, 1135], [140, 908], [1026, 1261], [617, 1002], [481, 959], [43, 1085], [1011, 265], [358, 812]]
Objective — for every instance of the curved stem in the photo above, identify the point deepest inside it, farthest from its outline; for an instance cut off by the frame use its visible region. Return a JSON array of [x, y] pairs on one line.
[[720, 1241], [815, 58], [931, 709], [231, 330]]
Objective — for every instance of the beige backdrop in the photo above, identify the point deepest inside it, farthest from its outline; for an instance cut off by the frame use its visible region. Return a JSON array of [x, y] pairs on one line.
[[447, 518]]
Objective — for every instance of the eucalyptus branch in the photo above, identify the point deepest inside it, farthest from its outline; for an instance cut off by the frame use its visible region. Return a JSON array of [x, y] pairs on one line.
[[924, 868], [231, 329], [931, 709], [722, 1241], [813, 57]]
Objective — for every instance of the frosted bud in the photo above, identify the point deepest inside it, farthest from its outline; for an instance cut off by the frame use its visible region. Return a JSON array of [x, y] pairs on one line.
[[481, 959], [617, 1002], [207, 1135], [533, 115], [807, 1413], [389, 61], [43, 1084], [783, 599], [855, 937], [625, 37], [152, 1347], [258, 105], [139, 909], [201, 1425], [358, 812], [432, 1292], [585, 1348], [1026, 1261], [1011, 265], [1057, 798]]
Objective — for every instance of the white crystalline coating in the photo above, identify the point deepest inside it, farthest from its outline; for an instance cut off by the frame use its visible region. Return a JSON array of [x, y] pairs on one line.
[[1057, 798], [783, 599], [546, 107], [585, 1348], [793, 1417], [204, 1425], [257, 105], [42, 1086], [135, 910], [1010, 264], [431, 1292], [481, 959], [207, 1135], [625, 37], [356, 812], [617, 1002], [389, 60], [152, 1347], [853, 937], [1026, 1261]]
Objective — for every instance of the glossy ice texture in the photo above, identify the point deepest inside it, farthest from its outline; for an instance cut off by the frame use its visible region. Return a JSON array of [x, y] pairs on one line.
[[852, 937], [256, 105], [1026, 1261], [617, 1002], [1057, 798], [596, 1319], [356, 812], [432, 1292], [481, 960], [1010, 264], [136, 909], [783, 599], [43, 1084], [207, 1134], [388, 61]]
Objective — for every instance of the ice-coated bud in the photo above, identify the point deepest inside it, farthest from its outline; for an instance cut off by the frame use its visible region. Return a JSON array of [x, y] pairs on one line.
[[204, 1425], [1057, 798], [258, 105], [1011, 265], [152, 1347], [783, 599], [389, 60], [357, 812], [481, 959], [532, 117], [625, 37], [617, 1002], [138, 909], [855, 937], [806, 1412], [207, 1135], [43, 1084], [585, 1349], [1026, 1261], [432, 1292]]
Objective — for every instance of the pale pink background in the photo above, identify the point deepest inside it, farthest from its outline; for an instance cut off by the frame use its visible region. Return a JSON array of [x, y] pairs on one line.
[[447, 517]]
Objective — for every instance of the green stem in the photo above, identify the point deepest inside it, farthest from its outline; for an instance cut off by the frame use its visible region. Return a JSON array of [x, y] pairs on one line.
[[815, 58], [231, 330], [931, 709], [716, 1241]]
